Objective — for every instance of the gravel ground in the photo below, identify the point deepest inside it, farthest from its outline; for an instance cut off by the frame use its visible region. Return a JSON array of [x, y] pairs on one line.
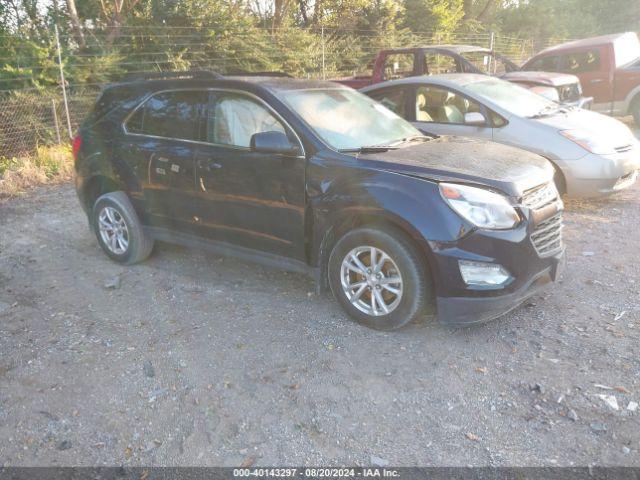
[[194, 359]]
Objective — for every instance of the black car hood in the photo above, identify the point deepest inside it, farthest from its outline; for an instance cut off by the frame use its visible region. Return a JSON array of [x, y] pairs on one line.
[[449, 158]]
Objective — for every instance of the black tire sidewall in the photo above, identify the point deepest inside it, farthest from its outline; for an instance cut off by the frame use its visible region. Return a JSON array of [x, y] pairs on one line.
[[117, 200], [416, 284]]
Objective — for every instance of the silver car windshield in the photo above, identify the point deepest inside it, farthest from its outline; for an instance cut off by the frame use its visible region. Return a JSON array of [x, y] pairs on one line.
[[348, 120], [513, 98]]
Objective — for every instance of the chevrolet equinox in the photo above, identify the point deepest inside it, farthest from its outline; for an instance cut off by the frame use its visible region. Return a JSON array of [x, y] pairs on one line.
[[317, 178]]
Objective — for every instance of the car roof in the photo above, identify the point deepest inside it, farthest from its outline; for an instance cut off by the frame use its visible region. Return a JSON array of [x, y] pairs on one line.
[[445, 79], [587, 42], [274, 84], [452, 48], [460, 48]]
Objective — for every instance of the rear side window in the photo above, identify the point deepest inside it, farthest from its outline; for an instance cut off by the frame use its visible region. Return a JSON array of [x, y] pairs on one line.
[[580, 62], [545, 64], [170, 115], [109, 100]]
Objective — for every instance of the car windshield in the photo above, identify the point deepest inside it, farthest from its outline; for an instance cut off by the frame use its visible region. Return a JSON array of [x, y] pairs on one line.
[[513, 98], [348, 120]]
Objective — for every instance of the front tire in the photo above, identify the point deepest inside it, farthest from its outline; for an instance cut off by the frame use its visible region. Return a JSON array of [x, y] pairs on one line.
[[379, 278], [119, 230]]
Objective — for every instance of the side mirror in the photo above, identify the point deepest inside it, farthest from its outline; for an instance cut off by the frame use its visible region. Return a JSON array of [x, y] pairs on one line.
[[272, 142], [475, 118]]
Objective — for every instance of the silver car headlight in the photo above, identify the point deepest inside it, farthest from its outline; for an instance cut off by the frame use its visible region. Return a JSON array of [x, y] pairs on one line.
[[591, 143], [481, 207]]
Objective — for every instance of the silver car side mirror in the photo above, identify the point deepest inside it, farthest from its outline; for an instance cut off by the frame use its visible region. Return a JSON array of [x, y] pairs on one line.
[[475, 119]]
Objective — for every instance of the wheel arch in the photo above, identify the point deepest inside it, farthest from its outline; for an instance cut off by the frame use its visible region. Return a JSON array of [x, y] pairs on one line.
[[358, 217], [95, 187], [632, 97]]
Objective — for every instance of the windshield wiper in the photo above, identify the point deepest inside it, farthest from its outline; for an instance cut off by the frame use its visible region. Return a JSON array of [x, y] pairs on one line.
[[368, 149], [384, 147]]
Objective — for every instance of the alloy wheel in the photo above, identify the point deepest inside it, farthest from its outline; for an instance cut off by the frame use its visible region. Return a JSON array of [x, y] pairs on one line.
[[371, 280], [113, 230]]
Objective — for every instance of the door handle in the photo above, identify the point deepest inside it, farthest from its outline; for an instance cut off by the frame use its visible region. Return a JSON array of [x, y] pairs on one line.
[[596, 80]]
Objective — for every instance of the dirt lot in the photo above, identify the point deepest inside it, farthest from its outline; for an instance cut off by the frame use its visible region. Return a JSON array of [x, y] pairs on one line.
[[198, 360]]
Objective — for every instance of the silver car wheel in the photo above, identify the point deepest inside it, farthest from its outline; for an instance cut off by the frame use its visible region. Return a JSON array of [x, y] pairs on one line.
[[371, 281], [113, 230]]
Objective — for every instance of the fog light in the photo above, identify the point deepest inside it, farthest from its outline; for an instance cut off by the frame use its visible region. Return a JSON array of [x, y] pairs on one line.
[[480, 274]]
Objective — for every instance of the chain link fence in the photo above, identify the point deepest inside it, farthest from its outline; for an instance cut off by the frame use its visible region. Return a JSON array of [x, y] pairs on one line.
[[32, 117]]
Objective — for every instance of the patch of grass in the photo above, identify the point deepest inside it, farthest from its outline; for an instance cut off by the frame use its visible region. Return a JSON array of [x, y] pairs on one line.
[[48, 165]]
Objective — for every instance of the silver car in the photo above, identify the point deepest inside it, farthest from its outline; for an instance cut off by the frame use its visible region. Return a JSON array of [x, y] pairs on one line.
[[593, 154]]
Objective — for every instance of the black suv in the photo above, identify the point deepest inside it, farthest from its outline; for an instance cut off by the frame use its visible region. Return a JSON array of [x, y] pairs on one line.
[[317, 178]]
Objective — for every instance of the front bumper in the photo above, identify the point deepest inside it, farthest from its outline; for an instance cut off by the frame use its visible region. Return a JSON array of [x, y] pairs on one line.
[[463, 311], [600, 175], [532, 253]]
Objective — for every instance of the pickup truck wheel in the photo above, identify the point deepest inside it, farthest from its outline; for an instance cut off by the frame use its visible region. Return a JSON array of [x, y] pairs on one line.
[[379, 278], [119, 230]]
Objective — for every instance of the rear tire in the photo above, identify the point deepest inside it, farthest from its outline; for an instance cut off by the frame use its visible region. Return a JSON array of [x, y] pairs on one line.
[[119, 230], [398, 278]]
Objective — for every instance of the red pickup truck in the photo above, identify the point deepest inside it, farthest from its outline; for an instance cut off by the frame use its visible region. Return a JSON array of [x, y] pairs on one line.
[[435, 59], [608, 68]]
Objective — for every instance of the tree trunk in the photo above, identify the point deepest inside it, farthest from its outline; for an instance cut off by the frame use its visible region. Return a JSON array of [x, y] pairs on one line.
[[76, 24], [485, 11], [303, 12], [466, 7]]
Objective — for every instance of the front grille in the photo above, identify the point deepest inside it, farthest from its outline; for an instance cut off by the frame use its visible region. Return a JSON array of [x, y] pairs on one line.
[[547, 237], [540, 197], [569, 93]]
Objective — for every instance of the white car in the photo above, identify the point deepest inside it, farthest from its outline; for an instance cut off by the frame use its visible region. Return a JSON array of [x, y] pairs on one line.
[[593, 154]]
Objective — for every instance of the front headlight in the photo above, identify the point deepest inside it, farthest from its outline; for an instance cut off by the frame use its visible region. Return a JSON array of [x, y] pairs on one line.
[[586, 140], [483, 208]]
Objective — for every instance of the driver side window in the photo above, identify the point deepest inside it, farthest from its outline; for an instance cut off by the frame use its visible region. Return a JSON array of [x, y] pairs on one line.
[[232, 119], [439, 105]]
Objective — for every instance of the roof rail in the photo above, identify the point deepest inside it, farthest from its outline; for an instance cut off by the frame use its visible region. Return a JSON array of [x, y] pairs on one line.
[[194, 74], [259, 74]]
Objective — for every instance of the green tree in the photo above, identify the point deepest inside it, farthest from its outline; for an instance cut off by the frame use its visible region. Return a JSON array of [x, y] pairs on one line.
[[442, 16]]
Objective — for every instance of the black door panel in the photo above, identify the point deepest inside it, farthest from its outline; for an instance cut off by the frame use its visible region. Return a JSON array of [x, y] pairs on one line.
[[252, 199], [161, 144]]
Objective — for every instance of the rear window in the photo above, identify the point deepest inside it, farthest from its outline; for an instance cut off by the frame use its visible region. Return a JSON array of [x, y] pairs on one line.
[[545, 64]]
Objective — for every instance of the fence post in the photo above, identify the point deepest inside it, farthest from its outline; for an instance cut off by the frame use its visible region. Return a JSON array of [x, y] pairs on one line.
[[55, 120], [492, 46], [324, 76], [62, 83]]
